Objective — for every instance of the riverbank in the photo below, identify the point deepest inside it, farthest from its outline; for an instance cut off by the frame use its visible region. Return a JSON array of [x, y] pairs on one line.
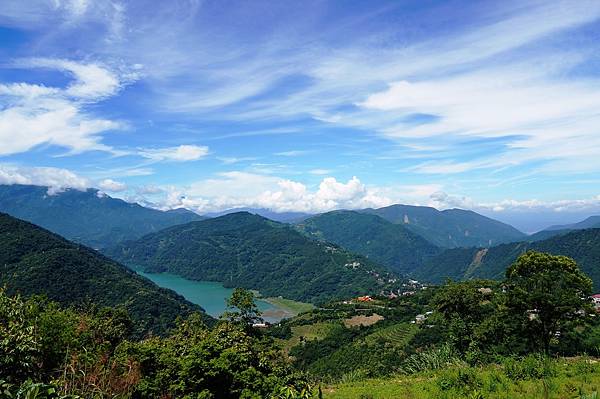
[[287, 307]]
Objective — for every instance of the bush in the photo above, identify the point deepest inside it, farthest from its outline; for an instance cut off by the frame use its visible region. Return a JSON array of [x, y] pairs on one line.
[[530, 367], [19, 346], [431, 359]]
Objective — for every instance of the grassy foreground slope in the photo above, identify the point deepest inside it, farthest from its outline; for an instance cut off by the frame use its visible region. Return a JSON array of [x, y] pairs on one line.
[[35, 261], [249, 251], [525, 379]]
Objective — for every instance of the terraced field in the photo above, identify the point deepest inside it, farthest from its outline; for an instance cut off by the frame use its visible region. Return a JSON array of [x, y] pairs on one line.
[[397, 334]]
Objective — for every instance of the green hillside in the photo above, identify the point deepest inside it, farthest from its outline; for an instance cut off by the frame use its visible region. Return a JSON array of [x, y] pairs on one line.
[[35, 261], [249, 251], [450, 228], [88, 217], [460, 263], [593, 222], [390, 244]]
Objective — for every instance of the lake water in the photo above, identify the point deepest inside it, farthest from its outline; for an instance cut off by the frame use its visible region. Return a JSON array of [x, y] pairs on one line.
[[212, 296]]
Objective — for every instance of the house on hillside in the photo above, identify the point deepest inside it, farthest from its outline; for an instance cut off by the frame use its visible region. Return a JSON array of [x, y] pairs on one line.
[[366, 298], [596, 301]]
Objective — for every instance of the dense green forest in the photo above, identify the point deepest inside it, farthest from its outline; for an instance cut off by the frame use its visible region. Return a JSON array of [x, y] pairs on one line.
[[50, 352], [530, 335], [87, 217], [35, 261], [450, 228], [392, 245], [468, 263], [249, 251]]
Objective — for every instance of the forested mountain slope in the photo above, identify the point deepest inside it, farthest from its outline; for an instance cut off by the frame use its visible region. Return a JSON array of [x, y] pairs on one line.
[[88, 217], [461, 263], [392, 245], [249, 251], [593, 222], [450, 228], [36, 261], [284, 217]]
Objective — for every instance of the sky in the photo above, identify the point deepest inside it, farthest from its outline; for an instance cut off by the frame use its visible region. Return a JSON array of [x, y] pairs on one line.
[[307, 106]]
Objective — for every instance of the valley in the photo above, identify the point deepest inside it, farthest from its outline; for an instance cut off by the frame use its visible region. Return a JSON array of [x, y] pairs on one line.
[[343, 304], [212, 297], [276, 199]]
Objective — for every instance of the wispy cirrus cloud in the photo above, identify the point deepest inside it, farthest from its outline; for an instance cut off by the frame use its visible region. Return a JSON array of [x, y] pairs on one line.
[[180, 153], [37, 114]]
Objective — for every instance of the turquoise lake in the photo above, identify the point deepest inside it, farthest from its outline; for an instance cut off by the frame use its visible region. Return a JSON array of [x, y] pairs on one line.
[[212, 296]]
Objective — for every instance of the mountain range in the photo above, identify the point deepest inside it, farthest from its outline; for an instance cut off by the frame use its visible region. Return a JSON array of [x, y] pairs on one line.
[[450, 228], [34, 261], [304, 257], [392, 245], [491, 263], [592, 222], [246, 250], [88, 217], [284, 217]]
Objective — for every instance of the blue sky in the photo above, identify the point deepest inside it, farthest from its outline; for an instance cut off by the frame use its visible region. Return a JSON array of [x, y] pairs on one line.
[[307, 106]]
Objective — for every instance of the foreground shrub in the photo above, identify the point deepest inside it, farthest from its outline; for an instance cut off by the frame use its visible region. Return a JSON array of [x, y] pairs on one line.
[[431, 359], [532, 367]]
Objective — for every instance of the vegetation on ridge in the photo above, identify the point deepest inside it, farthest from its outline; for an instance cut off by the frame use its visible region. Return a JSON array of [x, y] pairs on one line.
[[249, 251], [491, 263], [35, 261], [88, 217], [392, 245]]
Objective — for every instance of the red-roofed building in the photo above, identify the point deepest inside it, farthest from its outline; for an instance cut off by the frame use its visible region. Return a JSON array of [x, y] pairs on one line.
[[596, 301]]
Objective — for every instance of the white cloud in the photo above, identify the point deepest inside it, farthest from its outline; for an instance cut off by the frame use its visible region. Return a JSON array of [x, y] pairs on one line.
[[319, 172], [292, 153], [149, 189], [442, 200], [180, 153], [242, 189], [112, 185], [32, 115], [92, 82], [55, 179], [233, 160]]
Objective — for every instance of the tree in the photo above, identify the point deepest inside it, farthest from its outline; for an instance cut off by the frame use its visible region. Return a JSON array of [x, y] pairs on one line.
[[243, 300], [19, 346], [463, 306], [546, 294]]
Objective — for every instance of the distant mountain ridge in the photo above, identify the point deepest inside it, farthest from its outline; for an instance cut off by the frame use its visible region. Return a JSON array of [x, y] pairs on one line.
[[392, 245], [450, 228], [88, 217], [467, 263], [36, 261], [250, 251], [592, 222], [284, 217]]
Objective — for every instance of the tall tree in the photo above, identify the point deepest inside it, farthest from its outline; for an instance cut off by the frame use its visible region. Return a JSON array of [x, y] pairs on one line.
[[463, 306], [247, 311], [546, 294]]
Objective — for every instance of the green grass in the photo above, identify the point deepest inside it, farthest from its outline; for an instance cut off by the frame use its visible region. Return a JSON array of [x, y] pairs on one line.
[[397, 334], [529, 379], [309, 332], [289, 305]]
